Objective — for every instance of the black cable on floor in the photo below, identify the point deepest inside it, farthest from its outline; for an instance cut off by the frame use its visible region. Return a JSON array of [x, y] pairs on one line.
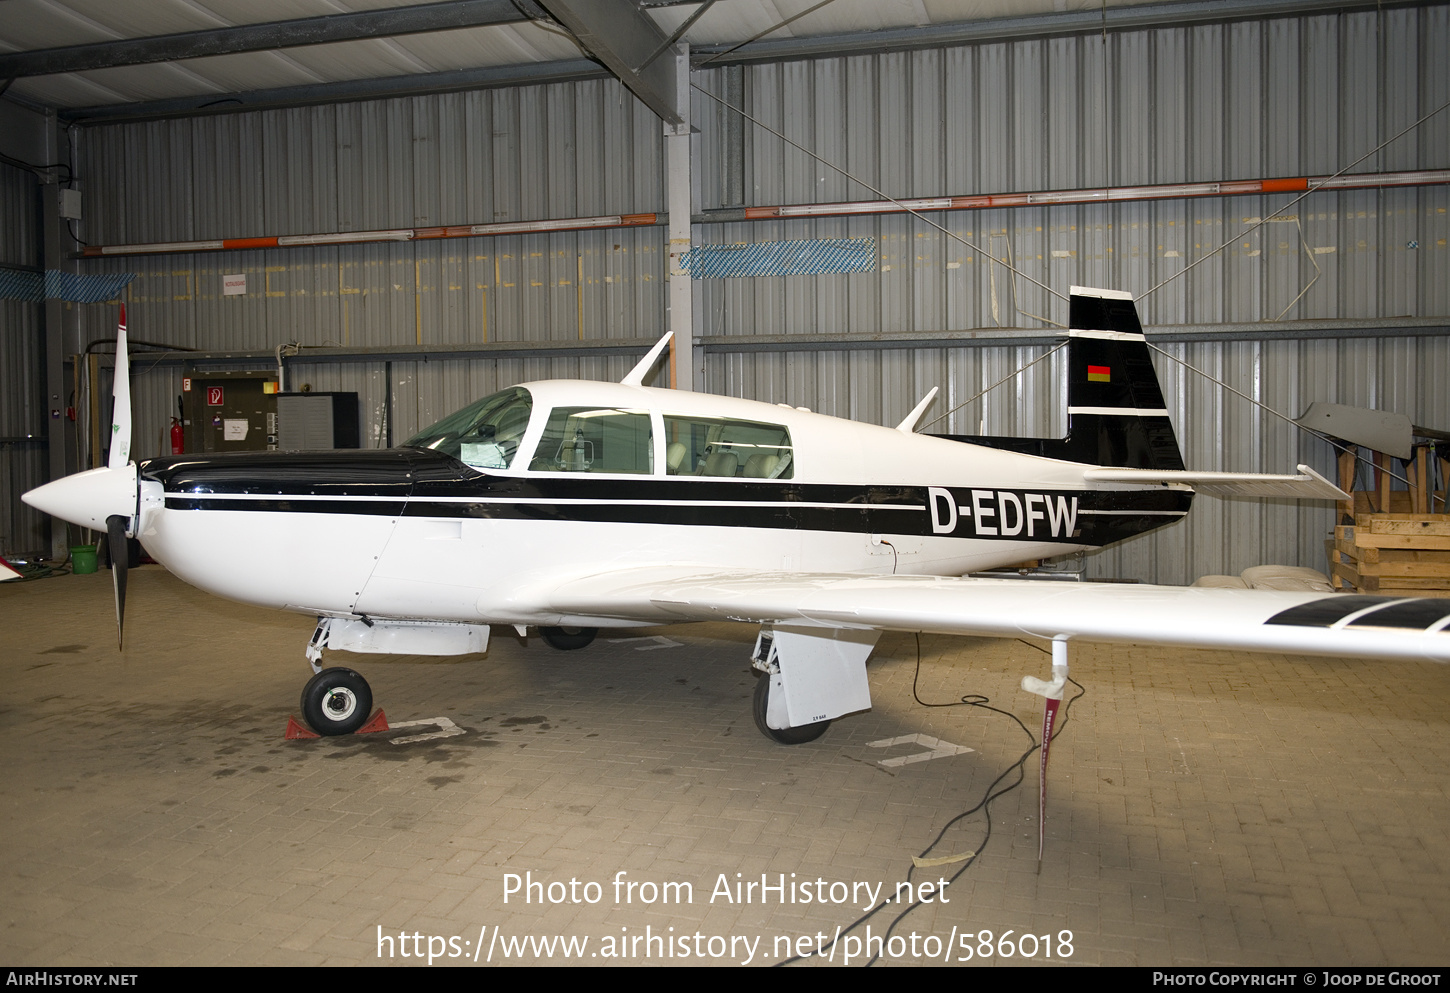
[[969, 700]]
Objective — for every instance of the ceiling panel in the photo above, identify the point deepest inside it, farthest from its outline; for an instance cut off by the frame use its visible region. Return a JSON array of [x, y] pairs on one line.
[[27, 25]]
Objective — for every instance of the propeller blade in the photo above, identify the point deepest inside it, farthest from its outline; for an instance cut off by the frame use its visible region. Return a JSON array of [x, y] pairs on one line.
[[120, 560], [121, 400]]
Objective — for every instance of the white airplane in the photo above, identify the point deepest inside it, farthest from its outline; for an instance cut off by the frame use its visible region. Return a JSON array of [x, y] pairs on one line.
[[573, 506]]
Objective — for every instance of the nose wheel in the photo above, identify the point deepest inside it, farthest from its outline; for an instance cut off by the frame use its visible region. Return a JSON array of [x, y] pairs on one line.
[[336, 701]]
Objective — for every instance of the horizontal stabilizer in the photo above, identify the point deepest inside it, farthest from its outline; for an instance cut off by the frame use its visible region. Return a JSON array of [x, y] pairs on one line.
[[1308, 485]]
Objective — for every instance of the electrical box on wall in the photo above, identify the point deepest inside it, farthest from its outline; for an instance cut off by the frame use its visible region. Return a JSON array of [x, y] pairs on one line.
[[231, 411], [70, 204], [311, 421]]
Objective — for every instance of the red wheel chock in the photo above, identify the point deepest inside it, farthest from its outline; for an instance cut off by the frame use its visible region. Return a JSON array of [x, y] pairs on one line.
[[297, 732], [378, 722]]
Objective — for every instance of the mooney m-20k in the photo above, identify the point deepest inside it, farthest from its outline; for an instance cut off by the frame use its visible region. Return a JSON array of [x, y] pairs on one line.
[[572, 506]]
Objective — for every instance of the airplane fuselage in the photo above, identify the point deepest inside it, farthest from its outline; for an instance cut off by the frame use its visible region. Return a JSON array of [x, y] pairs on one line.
[[605, 477]]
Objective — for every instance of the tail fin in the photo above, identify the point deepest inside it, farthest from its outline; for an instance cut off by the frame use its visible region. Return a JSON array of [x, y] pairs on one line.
[[1116, 415]]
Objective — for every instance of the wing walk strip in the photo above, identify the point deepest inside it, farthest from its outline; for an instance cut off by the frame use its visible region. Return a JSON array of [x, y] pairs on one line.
[[1343, 611]]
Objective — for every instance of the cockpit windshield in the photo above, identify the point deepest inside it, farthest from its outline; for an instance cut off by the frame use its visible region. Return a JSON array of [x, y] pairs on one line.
[[485, 434]]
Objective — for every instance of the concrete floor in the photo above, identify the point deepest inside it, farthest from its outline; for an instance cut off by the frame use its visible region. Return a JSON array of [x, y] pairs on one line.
[[1206, 808]]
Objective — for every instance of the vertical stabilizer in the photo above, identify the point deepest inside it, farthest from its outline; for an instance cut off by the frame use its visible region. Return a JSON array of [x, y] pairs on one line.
[[1116, 415]]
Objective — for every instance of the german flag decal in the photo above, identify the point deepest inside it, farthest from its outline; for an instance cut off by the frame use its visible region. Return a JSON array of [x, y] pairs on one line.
[[1100, 374]]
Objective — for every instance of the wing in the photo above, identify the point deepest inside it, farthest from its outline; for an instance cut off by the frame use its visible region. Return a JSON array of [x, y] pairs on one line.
[[1248, 620]]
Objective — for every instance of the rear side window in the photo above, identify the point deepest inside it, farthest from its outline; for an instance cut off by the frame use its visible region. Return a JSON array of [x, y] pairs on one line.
[[595, 439], [722, 446]]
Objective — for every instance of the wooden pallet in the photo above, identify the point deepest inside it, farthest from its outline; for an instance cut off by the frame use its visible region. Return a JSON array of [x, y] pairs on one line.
[[1394, 554], [1419, 498]]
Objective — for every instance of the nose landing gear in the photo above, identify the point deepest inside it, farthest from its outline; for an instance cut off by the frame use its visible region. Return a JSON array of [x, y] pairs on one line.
[[336, 701]]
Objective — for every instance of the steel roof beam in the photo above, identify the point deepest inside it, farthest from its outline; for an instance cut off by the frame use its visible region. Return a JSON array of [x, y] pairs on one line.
[[269, 35], [1162, 14], [1148, 15], [343, 91], [623, 38]]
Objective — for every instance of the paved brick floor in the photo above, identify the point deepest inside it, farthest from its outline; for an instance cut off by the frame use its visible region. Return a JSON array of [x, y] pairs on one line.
[[1206, 808]]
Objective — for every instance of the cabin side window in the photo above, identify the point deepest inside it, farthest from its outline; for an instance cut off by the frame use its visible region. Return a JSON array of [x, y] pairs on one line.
[[596, 439], [723, 446]]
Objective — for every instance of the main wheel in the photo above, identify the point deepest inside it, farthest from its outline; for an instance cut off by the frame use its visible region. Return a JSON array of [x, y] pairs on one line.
[[568, 639], [336, 701], [786, 736]]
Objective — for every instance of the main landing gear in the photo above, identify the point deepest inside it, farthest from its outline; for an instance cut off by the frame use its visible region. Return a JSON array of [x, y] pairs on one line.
[[785, 736], [568, 639], [808, 677]]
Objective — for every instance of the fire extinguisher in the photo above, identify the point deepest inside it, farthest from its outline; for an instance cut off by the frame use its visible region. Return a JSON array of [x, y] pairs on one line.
[[178, 437]]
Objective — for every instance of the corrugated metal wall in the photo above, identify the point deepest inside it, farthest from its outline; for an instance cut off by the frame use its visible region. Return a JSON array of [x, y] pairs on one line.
[[1262, 99], [22, 400], [1275, 98], [575, 149], [1280, 97]]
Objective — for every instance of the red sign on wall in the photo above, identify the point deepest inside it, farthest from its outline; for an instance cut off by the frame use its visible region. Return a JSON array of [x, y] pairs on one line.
[[214, 396]]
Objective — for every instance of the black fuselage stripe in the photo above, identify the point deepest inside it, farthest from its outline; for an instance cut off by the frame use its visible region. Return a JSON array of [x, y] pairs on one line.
[[282, 505], [419, 483], [901, 519]]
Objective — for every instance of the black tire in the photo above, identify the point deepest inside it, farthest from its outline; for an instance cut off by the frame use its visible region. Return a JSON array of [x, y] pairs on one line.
[[336, 701], [785, 736], [568, 639]]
